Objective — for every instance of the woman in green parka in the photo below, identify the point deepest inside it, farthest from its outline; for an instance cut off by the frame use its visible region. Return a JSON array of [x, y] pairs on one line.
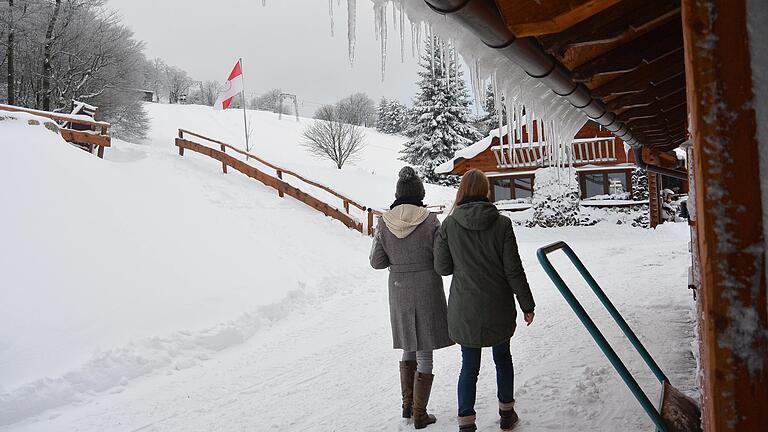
[[477, 245]]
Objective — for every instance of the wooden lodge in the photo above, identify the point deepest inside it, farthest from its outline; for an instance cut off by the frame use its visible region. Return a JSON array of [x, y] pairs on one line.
[[661, 75], [603, 163]]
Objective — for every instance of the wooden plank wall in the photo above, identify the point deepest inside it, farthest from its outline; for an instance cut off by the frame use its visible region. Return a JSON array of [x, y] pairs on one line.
[[729, 241]]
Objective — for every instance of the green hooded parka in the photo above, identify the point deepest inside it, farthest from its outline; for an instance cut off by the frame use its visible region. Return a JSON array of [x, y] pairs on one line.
[[478, 246]]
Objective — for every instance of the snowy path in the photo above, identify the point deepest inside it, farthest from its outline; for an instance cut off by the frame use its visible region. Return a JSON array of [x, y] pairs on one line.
[[328, 366], [216, 306]]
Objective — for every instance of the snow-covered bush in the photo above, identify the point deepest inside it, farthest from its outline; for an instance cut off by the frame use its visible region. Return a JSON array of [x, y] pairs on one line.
[[639, 184], [636, 216], [555, 199]]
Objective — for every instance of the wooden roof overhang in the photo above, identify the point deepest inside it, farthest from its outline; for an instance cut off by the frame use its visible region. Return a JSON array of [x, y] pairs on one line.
[[620, 62], [629, 53]]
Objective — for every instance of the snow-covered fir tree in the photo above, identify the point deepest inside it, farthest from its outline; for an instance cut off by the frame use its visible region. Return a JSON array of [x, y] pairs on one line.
[[442, 123], [491, 119], [392, 117]]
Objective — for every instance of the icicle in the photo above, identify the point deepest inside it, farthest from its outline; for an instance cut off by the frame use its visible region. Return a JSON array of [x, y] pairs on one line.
[[264, 3], [351, 24], [432, 49], [383, 43], [394, 14], [380, 15], [402, 33], [510, 138], [497, 106], [330, 14]]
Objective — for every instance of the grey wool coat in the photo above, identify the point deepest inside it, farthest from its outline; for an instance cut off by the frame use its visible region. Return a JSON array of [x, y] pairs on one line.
[[417, 308]]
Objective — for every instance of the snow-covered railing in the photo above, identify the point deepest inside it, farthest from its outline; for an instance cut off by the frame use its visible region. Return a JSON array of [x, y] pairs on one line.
[[588, 150], [277, 181], [98, 136], [531, 155]]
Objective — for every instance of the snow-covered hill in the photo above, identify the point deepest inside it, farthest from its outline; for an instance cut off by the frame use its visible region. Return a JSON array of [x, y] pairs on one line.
[[151, 292]]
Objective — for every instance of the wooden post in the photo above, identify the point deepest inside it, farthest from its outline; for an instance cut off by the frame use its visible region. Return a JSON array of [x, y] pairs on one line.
[[224, 164], [730, 237], [181, 136], [370, 222], [346, 206], [653, 199], [280, 176]]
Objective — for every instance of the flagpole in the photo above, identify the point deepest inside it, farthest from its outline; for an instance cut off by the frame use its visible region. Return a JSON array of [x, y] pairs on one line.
[[245, 116]]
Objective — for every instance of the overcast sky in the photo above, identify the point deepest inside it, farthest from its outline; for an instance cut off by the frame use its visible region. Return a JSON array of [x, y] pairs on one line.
[[286, 45]]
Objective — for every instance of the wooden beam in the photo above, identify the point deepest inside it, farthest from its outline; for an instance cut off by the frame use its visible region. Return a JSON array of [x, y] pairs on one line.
[[729, 216], [651, 95], [640, 79], [534, 18], [645, 49], [618, 22]]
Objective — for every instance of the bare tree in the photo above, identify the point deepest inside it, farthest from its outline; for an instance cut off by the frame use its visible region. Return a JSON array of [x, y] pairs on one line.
[[326, 112], [271, 101], [357, 109], [334, 140], [178, 83]]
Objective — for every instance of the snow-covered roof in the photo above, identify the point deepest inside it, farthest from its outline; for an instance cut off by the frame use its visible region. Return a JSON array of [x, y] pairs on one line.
[[470, 151]]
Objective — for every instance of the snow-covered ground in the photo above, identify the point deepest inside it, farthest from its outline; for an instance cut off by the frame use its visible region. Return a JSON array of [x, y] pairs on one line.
[[151, 292]]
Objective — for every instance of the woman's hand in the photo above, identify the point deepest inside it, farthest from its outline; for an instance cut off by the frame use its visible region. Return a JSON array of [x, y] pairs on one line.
[[528, 317]]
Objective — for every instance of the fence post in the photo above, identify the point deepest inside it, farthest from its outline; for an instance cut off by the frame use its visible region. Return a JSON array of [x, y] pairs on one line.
[[370, 222], [280, 190], [346, 206], [181, 136], [224, 164]]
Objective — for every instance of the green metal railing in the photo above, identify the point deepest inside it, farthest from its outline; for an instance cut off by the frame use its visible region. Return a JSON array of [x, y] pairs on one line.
[[609, 352]]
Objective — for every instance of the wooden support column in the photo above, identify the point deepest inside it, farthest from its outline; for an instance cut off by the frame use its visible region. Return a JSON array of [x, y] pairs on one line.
[[653, 199], [729, 230]]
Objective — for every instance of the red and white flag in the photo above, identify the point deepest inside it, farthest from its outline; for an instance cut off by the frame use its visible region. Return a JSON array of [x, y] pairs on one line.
[[232, 87]]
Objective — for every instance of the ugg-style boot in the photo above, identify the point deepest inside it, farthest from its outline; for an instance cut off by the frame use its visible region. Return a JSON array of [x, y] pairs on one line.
[[421, 390], [467, 424], [407, 375], [508, 415]]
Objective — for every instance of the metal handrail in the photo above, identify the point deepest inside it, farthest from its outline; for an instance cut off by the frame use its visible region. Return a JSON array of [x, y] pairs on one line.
[[604, 345]]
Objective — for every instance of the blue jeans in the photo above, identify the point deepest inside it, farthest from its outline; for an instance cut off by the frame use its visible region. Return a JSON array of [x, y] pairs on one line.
[[470, 369]]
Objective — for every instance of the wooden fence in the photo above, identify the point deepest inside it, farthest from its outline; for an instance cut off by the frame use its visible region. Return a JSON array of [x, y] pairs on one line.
[[277, 182], [100, 139]]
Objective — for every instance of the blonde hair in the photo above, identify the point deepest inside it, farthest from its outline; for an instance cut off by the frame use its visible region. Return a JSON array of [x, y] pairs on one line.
[[474, 183]]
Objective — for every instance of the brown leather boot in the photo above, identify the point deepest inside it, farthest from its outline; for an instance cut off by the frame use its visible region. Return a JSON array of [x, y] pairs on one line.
[[507, 416], [421, 390], [407, 376]]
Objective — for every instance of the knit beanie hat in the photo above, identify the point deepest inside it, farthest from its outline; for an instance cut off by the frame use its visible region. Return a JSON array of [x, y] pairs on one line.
[[409, 185]]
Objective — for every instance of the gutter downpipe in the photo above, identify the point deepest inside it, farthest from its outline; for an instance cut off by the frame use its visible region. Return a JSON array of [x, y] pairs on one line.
[[483, 19]]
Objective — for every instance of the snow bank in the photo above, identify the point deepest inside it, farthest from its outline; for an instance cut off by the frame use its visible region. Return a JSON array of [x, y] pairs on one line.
[[115, 269], [370, 179]]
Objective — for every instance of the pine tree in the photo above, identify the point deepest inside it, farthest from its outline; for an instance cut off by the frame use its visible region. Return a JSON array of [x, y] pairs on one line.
[[392, 117], [490, 121], [442, 116], [382, 116]]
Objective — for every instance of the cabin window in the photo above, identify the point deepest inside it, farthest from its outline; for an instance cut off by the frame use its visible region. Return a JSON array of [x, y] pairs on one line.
[[523, 187], [501, 189], [510, 188], [604, 183]]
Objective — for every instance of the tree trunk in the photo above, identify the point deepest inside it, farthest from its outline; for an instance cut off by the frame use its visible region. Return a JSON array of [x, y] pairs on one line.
[[47, 68], [10, 54]]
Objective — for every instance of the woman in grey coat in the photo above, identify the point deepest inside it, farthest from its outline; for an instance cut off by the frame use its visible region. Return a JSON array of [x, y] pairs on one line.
[[417, 308]]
